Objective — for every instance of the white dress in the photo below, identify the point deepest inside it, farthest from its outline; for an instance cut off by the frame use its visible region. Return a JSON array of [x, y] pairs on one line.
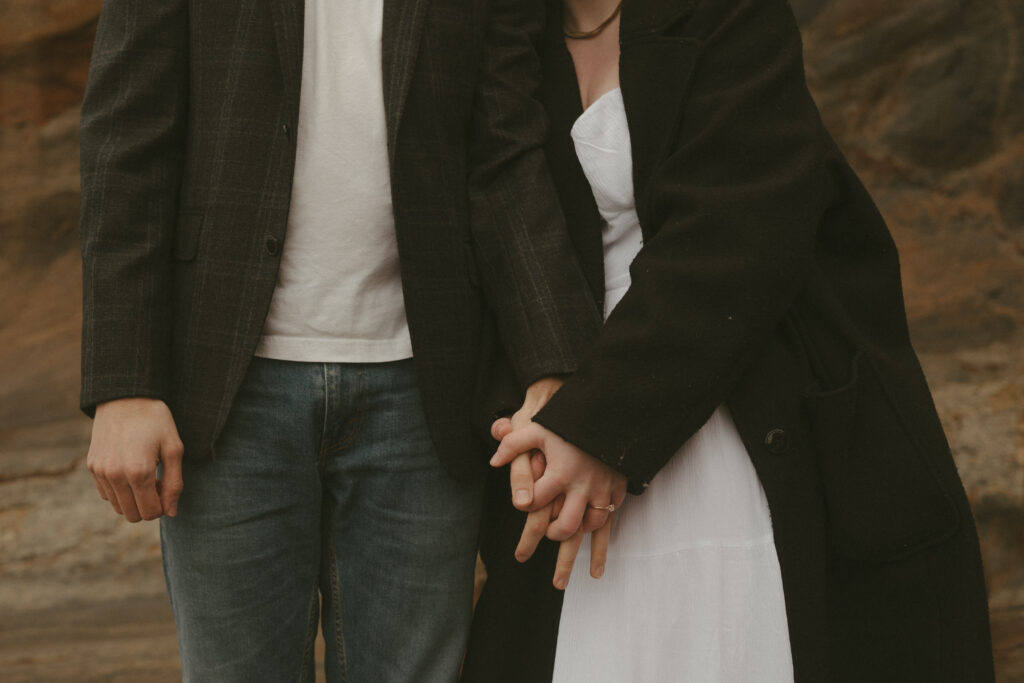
[[692, 589]]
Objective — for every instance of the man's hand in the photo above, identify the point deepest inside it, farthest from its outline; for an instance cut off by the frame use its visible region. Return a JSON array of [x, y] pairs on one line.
[[537, 523], [569, 471], [528, 467], [521, 474], [130, 437]]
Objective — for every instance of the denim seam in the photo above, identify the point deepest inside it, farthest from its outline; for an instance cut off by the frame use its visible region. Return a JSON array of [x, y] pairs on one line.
[[307, 672], [321, 458], [356, 426], [339, 640]]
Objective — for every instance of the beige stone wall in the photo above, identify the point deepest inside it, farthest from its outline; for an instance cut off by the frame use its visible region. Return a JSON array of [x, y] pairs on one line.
[[925, 96]]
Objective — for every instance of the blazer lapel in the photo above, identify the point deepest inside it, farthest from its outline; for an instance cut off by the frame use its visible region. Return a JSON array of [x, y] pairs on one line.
[[560, 95], [403, 25], [654, 71], [288, 18]]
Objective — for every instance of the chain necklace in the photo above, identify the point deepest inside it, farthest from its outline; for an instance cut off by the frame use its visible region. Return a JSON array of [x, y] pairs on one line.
[[583, 35]]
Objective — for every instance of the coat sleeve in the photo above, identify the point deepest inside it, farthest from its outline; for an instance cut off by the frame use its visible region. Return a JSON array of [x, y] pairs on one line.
[[132, 147], [529, 273], [734, 209]]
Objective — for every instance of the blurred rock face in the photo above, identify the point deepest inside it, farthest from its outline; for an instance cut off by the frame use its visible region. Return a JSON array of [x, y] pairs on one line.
[[926, 97], [58, 540]]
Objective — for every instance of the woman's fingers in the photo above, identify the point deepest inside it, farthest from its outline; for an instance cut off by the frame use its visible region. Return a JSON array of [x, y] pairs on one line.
[[594, 518], [567, 551], [599, 548], [569, 518]]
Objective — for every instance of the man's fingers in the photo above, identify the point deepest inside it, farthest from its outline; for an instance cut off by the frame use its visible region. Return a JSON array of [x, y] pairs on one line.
[[147, 500], [538, 463], [534, 529], [125, 498], [546, 489], [99, 487], [569, 518], [599, 548], [107, 492], [171, 483], [567, 551], [520, 441], [501, 427], [521, 418], [521, 480]]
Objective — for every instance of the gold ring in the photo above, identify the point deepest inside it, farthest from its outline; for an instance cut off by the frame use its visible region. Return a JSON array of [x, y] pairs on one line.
[[607, 508]]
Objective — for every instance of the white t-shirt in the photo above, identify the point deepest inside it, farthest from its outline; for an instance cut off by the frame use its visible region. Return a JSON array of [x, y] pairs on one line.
[[339, 291]]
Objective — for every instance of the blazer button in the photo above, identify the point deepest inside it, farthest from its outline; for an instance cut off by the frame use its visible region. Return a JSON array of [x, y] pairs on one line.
[[273, 245], [287, 131], [776, 441]]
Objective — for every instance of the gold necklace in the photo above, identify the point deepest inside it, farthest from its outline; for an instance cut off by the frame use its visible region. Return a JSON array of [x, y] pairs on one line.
[[583, 35]]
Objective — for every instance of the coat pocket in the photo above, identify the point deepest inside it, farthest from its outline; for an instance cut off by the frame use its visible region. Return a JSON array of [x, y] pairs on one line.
[[883, 501], [186, 236]]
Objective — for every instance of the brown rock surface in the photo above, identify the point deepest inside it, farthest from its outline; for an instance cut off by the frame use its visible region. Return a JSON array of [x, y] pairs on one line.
[[925, 96]]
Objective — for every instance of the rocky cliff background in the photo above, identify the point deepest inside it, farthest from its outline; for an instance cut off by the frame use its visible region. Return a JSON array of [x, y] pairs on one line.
[[926, 97]]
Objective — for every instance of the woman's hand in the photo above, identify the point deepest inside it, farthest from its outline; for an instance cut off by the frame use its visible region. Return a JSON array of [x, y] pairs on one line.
[[537, 522], [582, 479], [567, 551]]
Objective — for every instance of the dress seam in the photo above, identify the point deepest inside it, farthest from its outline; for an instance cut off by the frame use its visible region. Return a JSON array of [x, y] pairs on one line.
[[768, 540]]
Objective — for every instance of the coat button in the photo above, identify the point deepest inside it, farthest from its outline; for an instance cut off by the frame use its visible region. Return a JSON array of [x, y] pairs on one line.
[[273, 245], [286, 130], [776, 441]]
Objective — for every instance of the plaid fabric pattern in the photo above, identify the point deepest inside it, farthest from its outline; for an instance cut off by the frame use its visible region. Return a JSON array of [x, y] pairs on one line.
[[188, 153]]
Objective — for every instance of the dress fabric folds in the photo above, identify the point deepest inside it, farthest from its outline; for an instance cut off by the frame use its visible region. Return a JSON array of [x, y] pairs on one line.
[[692, 589]]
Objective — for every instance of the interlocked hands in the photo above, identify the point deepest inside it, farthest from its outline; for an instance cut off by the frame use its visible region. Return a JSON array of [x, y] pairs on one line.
[[560, 486]]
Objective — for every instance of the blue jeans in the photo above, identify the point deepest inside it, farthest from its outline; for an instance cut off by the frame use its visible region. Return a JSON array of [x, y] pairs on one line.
[[324, 503]]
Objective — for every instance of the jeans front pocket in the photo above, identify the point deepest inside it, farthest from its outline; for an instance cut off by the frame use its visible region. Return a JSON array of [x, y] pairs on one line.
[[882, 498]]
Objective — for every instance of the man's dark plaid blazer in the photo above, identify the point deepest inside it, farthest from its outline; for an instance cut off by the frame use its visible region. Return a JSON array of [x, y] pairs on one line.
[[188, 149]]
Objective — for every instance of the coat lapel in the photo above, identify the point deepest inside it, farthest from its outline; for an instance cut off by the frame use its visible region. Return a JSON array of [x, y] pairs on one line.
[[288, 18], [403, 25], [654, 71]]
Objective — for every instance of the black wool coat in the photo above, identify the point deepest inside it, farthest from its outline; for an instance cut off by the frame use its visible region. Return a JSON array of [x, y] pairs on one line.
[[188, 150], [768, 281]]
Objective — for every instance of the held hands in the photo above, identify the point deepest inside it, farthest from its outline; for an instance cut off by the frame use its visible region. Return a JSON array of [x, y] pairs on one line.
[[521, 473], [567, 481], [130, 437]]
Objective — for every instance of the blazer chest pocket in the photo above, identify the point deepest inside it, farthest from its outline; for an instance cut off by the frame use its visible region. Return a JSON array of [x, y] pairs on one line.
[[883, 501], [186, 236]]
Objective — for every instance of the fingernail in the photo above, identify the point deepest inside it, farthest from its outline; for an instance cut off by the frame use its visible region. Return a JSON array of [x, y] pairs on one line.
[[561, 583], [494, 458], [521, 497], [598, 572], [173, 512]]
